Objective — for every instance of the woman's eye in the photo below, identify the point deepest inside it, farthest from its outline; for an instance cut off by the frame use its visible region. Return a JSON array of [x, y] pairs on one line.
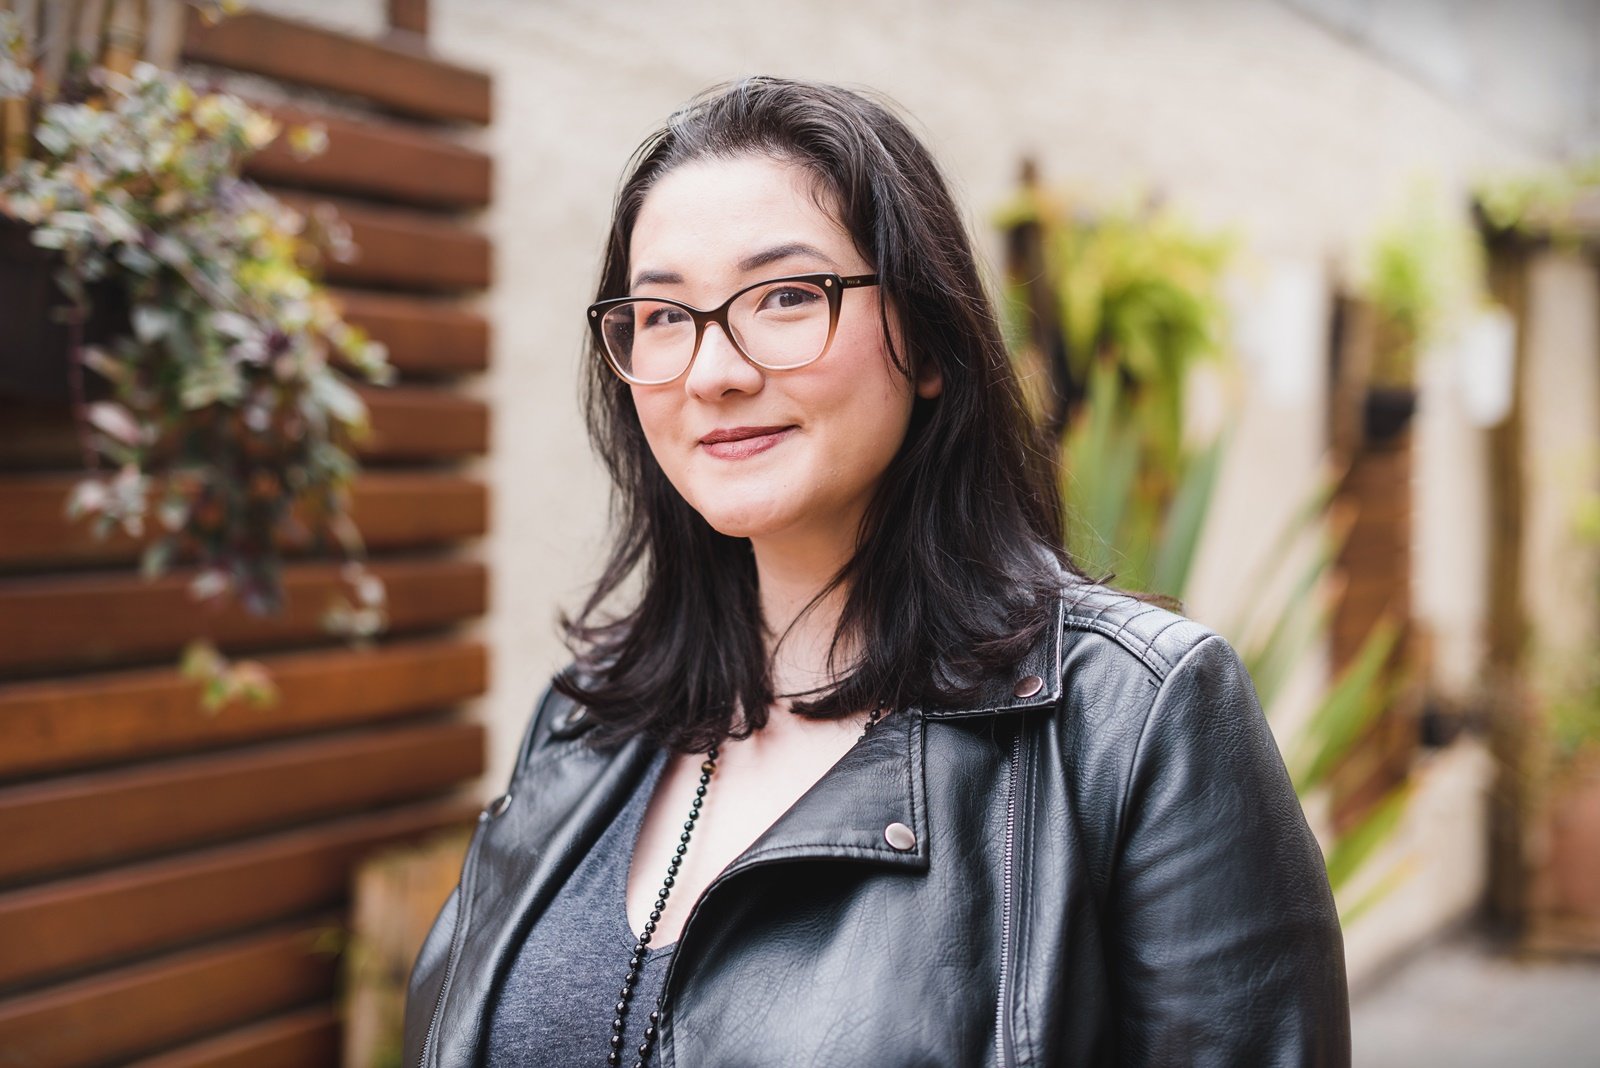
[[666, 315], [786, 297]]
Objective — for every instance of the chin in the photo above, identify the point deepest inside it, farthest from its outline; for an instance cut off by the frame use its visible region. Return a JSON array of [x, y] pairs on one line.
[[750, 519]]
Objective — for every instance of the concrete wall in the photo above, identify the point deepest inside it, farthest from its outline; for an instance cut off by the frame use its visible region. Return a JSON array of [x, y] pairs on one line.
[[1247, 114], [1562, 457]]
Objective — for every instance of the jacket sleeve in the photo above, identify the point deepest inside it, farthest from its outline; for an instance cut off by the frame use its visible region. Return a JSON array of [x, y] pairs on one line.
[[1225, 946]]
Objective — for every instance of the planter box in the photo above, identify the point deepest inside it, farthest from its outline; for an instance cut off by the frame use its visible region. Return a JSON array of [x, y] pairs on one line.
[[35, 342], [1564, 903]]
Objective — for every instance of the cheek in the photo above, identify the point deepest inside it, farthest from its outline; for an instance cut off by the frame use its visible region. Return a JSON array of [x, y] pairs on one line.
[[657, 419], [870, 401]]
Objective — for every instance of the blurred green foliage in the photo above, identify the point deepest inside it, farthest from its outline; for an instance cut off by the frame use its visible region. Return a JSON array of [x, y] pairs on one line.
[[1424, 270], [1574, 710], [1136, 295]]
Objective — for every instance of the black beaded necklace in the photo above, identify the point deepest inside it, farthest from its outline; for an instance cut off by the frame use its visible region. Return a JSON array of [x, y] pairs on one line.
[[614, 1057]]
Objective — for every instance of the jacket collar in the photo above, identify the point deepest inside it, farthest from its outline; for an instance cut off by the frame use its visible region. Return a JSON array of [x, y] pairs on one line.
[[1035, 681], [846, 813]]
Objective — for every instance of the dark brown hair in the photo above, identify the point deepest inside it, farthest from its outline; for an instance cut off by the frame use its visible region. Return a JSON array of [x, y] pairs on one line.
[[960, 553]]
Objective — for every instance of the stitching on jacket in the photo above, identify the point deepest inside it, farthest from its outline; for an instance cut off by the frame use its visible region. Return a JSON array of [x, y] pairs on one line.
[[1141, 646], [1129, 620], [915, 760], [1151, 643], [1157, 670], [1030, 1043], [853, 852]]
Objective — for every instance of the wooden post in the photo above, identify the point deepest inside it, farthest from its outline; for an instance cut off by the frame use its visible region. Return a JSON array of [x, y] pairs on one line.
[[1375, 559], [1510, 731], [124, 36], [409, 16]]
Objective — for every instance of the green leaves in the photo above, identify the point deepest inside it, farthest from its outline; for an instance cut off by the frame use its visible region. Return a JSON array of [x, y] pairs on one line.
[[227, 403], [1136, 301], [1357, 697], [1186, 515], [1424, 272], [1121, 516]]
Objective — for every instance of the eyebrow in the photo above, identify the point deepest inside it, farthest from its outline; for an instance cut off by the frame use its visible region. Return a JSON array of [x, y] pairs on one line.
[[749, 263], [783, 252]]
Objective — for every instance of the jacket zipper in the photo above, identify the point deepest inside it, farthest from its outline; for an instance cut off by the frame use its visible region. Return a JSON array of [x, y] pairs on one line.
[[677, 953], [1004, 1054], [672, 965], [456, 929]]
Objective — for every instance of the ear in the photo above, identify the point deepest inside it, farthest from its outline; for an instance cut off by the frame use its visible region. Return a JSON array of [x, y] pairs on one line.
[[930, 380]]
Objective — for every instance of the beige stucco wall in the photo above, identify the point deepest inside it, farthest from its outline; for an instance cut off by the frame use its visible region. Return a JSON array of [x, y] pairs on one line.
[[1562, 383], [1244, 113]]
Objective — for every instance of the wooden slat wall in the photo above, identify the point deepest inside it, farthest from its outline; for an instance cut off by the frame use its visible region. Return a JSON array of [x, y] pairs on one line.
[[170, 877], [1374, 565]]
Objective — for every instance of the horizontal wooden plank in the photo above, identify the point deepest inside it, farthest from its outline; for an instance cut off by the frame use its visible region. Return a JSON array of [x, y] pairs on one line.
[[407, 423], [373, 158], [399, 79], [93, 720], [37, 437], [415, 424], [393, 510], [52, 622], [157, 1003], [426, 336], [1348, 634], [400, 247], [305, 1039], [1397, 515], [83, 820], [95, 920], [1366, 597]]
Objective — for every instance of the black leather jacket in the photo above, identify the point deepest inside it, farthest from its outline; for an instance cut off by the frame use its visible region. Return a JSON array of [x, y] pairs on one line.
[[1109, 867]]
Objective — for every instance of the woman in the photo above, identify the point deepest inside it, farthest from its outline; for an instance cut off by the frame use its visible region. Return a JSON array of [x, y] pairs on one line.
[[864, 772]]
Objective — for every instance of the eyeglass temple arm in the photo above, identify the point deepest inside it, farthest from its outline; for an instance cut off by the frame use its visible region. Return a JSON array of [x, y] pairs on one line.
[[856, 280]]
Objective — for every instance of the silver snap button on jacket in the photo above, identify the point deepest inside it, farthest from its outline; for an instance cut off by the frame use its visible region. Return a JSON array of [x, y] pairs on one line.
[[900, 836], [1028, 685]]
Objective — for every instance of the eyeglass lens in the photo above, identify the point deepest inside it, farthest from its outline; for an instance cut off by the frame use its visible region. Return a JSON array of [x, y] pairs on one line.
[[784, 324]]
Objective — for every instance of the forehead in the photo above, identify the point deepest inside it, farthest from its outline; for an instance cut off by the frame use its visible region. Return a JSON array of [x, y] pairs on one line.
[[701, 218]]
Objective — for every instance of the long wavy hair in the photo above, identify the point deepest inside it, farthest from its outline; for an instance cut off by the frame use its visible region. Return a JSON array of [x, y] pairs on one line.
[[960, 554]]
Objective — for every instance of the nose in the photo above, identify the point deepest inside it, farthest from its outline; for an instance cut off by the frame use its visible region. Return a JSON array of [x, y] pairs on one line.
[[719, 369]]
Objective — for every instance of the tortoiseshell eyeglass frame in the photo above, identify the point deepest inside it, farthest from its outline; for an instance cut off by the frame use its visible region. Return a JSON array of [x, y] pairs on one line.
[[831, 284]]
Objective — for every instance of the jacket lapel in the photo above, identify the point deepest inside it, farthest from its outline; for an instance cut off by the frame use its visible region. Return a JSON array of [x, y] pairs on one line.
[[846, 812], [1040, 666], [880, 781]]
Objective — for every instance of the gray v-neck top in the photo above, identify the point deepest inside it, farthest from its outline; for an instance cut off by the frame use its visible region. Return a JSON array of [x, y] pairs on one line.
[[560, 995]]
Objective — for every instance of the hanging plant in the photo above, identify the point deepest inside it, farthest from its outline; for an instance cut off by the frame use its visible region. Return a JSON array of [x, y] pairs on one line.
[[1131, 302], [225, 438], [1539, 204], [1422, 277]]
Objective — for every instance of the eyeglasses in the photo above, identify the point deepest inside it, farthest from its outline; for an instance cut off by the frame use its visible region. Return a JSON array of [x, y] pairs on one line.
[[778, 325]]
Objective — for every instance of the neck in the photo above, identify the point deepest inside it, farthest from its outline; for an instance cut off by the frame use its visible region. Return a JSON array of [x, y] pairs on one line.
[[790, 575]]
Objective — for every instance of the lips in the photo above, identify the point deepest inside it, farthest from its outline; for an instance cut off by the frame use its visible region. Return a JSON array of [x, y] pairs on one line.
[[738, 442]]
